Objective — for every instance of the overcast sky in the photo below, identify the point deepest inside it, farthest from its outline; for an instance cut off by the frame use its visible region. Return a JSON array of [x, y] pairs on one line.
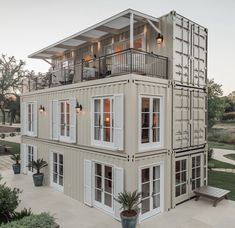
[[27, 26]]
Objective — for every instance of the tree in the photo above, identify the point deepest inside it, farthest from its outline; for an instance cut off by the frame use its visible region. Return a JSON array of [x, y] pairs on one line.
[[11, 76], [14, 108], [216, 104]]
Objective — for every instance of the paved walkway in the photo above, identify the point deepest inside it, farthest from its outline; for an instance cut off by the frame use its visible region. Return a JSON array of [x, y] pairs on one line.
[[15, 139], [5, 163], [73, 214], [219, 155]]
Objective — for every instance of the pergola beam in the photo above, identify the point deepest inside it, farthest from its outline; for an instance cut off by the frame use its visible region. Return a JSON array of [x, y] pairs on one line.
[[153, 26]]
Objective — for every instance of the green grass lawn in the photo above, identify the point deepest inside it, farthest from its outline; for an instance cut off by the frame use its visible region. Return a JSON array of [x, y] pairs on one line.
[[223, 180], [230, 156], [221, 145], [220, 164], [15, 146]]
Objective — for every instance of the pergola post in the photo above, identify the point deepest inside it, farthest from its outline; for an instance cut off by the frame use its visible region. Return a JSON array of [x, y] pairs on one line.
[[131, 30]]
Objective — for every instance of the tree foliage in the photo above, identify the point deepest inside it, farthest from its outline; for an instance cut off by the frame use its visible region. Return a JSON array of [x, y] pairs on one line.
[[11, 75], [216, 104]]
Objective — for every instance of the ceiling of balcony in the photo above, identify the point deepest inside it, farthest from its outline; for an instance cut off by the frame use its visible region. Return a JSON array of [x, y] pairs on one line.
[[92, 34]]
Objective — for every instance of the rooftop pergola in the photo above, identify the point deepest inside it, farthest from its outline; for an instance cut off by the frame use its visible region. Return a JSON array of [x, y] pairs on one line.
[[95, 33]]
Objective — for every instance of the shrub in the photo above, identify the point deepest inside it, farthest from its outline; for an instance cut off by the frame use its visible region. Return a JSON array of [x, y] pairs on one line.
[[3, 135], [12, 134], [19, 215], [9, 201], [43, 220]]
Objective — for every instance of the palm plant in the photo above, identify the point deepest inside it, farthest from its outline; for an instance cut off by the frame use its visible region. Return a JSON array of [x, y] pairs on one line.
[[38, 165], [15, 158], [129, 202]]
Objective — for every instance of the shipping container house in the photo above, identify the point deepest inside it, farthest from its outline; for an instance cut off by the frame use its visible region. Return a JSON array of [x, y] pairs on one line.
[[123, 107]]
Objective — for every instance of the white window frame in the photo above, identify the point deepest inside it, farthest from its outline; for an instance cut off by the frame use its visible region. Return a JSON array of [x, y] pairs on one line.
[[65, 137], [151, 145], [102, 143], [52, 183], [33, 119], [162, 188]]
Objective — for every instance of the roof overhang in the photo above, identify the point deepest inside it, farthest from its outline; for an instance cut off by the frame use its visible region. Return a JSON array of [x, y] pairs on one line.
[[92, 34]]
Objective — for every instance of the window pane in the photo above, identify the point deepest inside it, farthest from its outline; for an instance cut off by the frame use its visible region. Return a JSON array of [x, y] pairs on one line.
[[62, 107], [156, 172], [156, 105], [144, 175], [106, 134], [145, 136], [177, 178], [156, 201], [145, 190], [156, 134], [108, 172], [145, 104], [62, 118], [177, 191], [67, 107], [97, 105], [145, 120], [97, 119], [68, 119], [156, 186], [98, 169], [98, 182], [60, 158], [97, 133], [54, 157], [183, 189], [61, 171], [62, 130], [177, 166], [183, 176], [106, 120], [107, 105], [183, 165], [145, 206], [108, 200], [98, 195], [54, 177], [67, 130], [108, 186], [61, 180]]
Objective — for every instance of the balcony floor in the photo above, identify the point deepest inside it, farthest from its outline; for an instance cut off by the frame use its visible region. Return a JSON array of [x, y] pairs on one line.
[[71, 213]]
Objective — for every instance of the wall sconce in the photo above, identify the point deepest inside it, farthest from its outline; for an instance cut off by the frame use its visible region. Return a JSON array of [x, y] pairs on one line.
[[41, 109], [78, 107], [159, 38]]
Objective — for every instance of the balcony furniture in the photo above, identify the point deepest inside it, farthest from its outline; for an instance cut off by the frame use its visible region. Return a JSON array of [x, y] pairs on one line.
[[216, 194]]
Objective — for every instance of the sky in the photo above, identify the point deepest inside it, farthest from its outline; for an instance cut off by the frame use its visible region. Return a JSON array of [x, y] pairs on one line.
[[27, 26]]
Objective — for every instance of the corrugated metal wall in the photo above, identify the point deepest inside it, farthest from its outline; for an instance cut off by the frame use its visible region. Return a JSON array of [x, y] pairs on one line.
[[189, 117], [189, 52]]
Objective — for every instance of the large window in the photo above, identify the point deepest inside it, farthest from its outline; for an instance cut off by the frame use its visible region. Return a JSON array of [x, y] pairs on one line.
[[150, 122], [103, 119], [65, 118], [107, 121]]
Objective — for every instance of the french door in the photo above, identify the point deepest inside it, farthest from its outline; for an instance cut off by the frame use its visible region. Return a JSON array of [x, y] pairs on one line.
[[103, 186], [30, 157], [188, 176], [151, 188], [57, 171]]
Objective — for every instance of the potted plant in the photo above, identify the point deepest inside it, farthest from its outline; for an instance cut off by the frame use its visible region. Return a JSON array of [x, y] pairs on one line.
[[38, 176], [16, 166], [129, 202]]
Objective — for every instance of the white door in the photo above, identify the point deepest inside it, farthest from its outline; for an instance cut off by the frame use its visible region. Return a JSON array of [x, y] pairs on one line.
[[103, 186], [151, 187], [57, 171], [188, 176], [196, 173], [181, 179], [31, 155]]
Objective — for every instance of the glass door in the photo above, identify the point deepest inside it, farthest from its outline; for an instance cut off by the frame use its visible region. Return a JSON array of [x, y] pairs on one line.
[[30, 159], [58, 171], [196, 173], [150, 178], [181, 179], [103, 195]]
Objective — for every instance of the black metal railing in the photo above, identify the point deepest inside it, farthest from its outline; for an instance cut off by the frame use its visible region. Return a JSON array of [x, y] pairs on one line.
[[118, 63]]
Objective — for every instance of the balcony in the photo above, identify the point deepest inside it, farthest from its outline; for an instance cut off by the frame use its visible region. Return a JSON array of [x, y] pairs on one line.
[[111, 65]]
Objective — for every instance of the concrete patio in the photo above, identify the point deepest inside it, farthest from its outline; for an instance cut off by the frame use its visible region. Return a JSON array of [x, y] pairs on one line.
[[71, 213]]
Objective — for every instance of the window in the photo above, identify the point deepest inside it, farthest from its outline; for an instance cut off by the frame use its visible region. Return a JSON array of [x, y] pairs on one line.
[[107, 127], [30, 158], [65, 118], [57, 171], [150, 122], [103, 120], [30, 117]]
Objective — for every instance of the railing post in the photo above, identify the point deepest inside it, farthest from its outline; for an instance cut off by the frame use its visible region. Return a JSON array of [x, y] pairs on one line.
[[99, 68], [131, 57], [36, 83], [82, 70], [50, 79]]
